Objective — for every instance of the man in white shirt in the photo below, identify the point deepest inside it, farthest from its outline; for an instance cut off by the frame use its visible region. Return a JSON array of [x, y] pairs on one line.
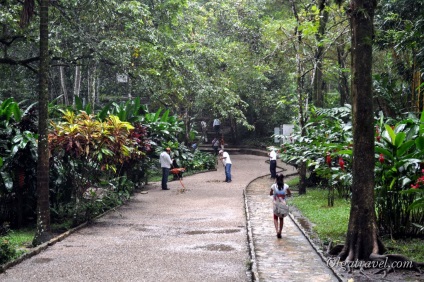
[[165, 163], [216, 126], [225, 157], [204, 131], [273, 163]]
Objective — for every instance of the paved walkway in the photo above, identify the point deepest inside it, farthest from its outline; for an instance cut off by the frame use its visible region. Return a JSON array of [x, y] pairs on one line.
[[200, 234], [291, 258]]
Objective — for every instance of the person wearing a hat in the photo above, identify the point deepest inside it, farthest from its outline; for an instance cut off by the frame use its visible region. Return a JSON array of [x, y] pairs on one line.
[[165, 163], [225, 157]]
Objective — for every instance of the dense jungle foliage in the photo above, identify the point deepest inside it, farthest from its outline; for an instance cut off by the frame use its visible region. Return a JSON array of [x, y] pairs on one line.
[[399, 169], [96, 160]]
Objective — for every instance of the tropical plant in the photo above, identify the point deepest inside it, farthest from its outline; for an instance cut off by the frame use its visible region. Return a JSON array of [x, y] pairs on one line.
[[399, 146], [88, 152], [325, 148], [398, 150], [18, 151]]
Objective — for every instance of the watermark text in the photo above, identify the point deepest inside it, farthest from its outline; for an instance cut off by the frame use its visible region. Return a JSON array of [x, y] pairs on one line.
[[346, 265]]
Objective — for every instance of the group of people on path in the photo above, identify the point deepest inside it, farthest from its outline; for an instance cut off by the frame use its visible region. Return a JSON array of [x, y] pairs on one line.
[[279, 190], [166, 163]]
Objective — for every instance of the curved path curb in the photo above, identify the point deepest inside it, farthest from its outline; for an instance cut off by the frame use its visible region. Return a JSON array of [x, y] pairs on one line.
[[315, 247], [292, 258]]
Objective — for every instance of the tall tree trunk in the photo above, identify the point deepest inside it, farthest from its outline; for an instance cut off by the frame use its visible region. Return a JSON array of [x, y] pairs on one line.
[[302, 98], [43, 232], [361, 239], [63, 85], [77, 83], [343, 81], [417, 104], [318, 89]]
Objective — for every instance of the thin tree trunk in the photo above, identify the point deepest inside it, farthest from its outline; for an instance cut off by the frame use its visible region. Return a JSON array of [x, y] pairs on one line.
[[92, 85], [77, 83], [63, 85], [43, 232], [343, 84], [361, 238], [88, 85]]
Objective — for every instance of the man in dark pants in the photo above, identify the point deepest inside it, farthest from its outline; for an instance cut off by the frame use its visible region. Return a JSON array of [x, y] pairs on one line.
[[273, 163], [216, 126], [165, 163]]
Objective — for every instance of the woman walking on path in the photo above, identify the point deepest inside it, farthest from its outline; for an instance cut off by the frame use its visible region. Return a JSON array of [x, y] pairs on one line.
[[279, 191]]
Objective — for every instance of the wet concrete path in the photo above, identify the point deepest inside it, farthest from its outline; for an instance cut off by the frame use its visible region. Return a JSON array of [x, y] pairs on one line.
[[200, 234]]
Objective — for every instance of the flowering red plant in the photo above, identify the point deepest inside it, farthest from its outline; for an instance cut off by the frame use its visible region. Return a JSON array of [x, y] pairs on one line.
[[381, 158], [328, 159], [341, 163], [377, 133], [419, 184]]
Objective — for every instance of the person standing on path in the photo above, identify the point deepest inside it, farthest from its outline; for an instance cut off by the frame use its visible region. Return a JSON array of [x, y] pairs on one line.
[[216, 126], [273, 163], [279, 191], [226, 161], [215, 145], [165, 163], [204, 131]]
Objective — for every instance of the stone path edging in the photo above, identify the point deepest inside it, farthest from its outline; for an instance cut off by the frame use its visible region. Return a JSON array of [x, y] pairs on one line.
[[314, 246]]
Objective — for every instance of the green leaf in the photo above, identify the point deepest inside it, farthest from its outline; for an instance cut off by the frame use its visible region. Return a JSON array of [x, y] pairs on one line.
[[417, 204], [7, 180], [419, 142], [16, 111], [78, 103], [88, 109], [422, 123], [385, 152], [400, 137], [103, 113], [406, 181], [391, 134], [404, 147], [345, 152], [165, 116]]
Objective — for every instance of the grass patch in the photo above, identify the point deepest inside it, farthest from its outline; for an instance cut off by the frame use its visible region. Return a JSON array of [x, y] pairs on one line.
[[21, 237], [412, 248], [292, 181], [14, 244], [330, 222]]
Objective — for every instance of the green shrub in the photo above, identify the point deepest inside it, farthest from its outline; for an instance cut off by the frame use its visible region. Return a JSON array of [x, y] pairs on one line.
[[7, 250]]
